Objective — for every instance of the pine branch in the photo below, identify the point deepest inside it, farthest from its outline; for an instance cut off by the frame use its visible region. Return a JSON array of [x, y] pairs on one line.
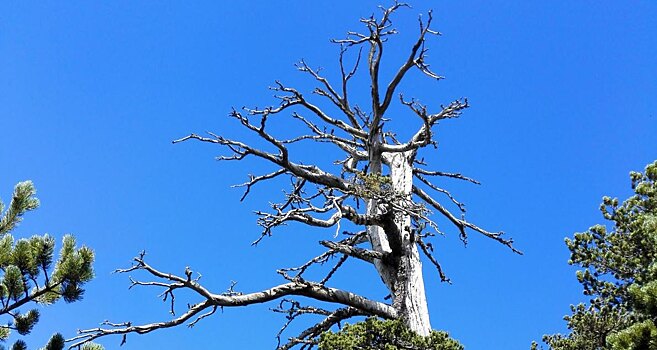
[[22, 201]]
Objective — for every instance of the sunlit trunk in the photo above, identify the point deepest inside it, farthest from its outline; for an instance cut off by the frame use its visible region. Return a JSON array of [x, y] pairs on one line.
[[402, 274], [409, 297]]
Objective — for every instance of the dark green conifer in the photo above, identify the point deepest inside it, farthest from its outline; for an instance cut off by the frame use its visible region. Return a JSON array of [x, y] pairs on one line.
[[56, 342], [19, 345], [619, 273], [376, 334]]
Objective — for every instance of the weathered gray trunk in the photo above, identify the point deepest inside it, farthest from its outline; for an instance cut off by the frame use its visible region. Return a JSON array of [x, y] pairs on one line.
[[402, 273]]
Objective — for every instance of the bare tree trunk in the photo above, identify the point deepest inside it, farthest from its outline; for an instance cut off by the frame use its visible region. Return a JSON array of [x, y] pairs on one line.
[[402, 273], [409, 298]]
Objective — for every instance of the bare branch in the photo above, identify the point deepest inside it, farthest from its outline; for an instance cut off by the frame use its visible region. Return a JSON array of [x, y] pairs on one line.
[[304, 212], [316, 330], [423, 136], [443, 191], [378, 30], [255, 179], [329, 92], [426, 249], [411, 61], [298, 99], [440, 173], [359, 253], [346, 145], [292, 312], [462, 224], [356, 239], [193, 323], [297, 286], [87, 335], [345, 80], [334, 269], [311, 173]]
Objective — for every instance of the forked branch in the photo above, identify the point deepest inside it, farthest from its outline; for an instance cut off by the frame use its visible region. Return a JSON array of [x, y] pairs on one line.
[[210, 301], [462, 225]]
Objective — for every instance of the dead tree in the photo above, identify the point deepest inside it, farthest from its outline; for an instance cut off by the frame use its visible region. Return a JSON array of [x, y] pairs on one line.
[[383, 188]]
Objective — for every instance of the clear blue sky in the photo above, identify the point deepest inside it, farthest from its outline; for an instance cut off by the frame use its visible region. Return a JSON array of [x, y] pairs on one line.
[[564, 105]]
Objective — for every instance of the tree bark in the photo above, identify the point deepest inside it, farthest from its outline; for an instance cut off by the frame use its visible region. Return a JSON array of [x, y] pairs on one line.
[[402, 273], [409, 299]]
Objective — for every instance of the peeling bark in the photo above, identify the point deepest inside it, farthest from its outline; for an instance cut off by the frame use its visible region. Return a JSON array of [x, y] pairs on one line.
[[409, 298]]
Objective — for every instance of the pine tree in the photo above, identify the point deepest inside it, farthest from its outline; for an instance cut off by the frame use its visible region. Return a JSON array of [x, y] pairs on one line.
[[27, 274], [619, 273], [376, 334]]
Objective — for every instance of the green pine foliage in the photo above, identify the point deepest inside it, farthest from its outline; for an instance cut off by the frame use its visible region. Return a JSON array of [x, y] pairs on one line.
[[25, 322], [56, 342], [372, 185], [27, 274], [19, 345], [92, 346], [619, 273], [22, 201], [376, 334]]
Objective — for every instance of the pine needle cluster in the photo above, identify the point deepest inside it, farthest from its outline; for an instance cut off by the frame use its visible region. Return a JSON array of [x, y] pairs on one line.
[[29, 273]]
